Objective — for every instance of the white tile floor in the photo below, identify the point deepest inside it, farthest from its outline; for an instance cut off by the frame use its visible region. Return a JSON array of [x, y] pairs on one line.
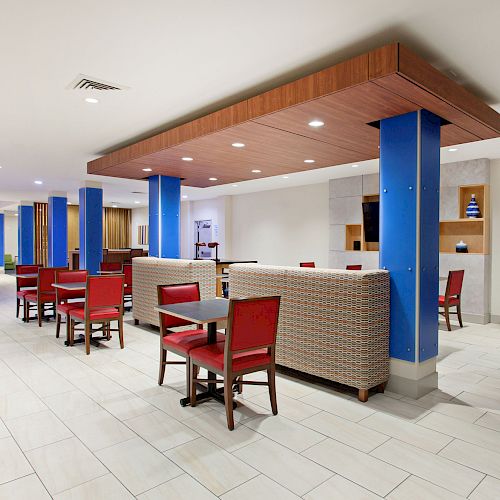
[[74, 426]]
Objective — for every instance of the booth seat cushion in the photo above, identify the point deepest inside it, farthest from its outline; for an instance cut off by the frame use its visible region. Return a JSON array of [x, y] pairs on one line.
[[213, 356], [44, 297], [187, 340], [96, 314], [65, 308], [453, 301]]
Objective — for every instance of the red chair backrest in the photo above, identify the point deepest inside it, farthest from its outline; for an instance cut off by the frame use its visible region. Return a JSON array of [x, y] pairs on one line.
[[47, 276], [27, 269], [127, 271], [354, 267], [111, 266], [105, 291], [307, 264], [70, 277], [175, 294], [252, 323], [454, 285]]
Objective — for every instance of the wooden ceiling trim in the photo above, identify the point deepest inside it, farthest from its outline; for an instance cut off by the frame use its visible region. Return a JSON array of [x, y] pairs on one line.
[[383, 61]]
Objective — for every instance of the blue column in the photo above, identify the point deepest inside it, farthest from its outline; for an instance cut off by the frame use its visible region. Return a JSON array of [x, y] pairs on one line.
[[26, 233], [409, 233], [2, 240], [409, 230], [58, 231], [164, 220], [90, 228]]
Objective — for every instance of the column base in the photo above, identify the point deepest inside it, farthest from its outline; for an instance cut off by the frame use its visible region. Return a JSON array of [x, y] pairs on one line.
[[413, 380]]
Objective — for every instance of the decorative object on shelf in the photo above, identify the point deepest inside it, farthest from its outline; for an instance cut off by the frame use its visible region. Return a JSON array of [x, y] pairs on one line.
[[472, 210], [356, 245], [214, 244], [197, 246], [461, 247]]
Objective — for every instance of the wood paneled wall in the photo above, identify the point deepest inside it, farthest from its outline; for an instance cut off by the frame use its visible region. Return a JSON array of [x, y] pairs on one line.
[[73, 227], [41, 233]]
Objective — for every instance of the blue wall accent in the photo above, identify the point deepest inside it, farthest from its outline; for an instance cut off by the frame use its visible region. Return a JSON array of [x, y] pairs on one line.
[[90, 228], [164, 220], [57, 233], [402, 221], [2, 240], [26, 234]]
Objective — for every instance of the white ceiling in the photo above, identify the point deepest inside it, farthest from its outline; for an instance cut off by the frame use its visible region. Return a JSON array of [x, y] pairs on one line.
[[182, 59]]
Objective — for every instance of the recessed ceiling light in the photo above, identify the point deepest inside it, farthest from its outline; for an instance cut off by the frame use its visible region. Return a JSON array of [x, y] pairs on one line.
[[91, 100], [355, 165], [186, 158], [212, 178], [114, 206], [235, 185], [147, 169], [309, 161], [68, 203], [0, 166], [285, 177], [136, 202], [238, 145], [16, 214], [452, 149], [38, 182], [256, 171], [184, 196], [316, 123]]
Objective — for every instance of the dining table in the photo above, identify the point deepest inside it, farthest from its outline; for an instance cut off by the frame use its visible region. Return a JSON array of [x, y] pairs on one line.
[[27, 275], [209, 311]]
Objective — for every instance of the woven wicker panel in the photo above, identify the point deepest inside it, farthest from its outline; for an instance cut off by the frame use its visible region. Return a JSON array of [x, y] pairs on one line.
[[149, 272], [333, 324]]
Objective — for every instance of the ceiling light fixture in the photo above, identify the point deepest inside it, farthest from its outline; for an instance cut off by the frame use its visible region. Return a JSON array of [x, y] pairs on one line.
[[235, 185], [355, 165], [316, 123], [114, 206], [38, 182], [186, 158], [451, 150], [256, 171], [137, 202], [212, 178], [16, 214], [68, 203], [238, 145], [91, 100], [184, 196], [147, 169], [309, 161], [285, 177]]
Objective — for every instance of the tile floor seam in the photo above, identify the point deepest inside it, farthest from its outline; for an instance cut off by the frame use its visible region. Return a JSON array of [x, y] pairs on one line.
[[478, 484]]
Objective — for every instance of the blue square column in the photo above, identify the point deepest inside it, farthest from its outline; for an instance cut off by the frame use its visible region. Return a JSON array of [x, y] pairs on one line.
[[2, 240], [164, 220], [58, 230], [90, 215], [26, 233], [409, 245]]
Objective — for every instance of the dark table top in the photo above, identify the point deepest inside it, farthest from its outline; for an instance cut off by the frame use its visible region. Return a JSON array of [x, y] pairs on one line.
[[71, 286], [28, 275], [234, 261], [203, 311]]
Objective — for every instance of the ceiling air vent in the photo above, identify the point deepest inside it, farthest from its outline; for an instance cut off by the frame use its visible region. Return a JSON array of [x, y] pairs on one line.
[[84, 82]]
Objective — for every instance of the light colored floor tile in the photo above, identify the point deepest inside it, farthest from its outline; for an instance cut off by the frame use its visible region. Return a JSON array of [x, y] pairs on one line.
[[161, 430], [473, 456], [472, 433], [284, 431], [27, 487], [12, 384], [433, 468], [480, 401], [169, 403], [365, 470], [96, 386], [299, 475], [396, 408], [19, 404], [215, 468], [71, 404], [102, 488], [38, 429], [13, 463], [259, 487], [426, 439], [345, 431], [4, 432], [99, 430], [489, 420], [415, 488], [338, 405], [291, 408], [180, 487], [138, 465], [488, 489], [64, 465], [124, 405], [339, 488]]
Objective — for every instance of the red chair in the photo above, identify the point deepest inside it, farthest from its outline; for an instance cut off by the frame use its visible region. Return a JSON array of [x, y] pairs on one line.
[[452, 296], [180, 343], [354, 267], [25, 285], [63, 297], [115, 267], [249, 347], [127, 292], [103, 304], [307, 264], [44, 297]]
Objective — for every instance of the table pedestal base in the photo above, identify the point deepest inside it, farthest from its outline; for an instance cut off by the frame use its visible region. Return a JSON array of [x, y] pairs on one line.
[[217, 394], [81, 340]]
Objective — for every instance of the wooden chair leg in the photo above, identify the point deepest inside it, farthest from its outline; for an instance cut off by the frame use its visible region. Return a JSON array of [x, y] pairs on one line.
[[271, 381], [39, 309], [459, 314], [240, 384], [447, 317], [192, 391], [163, 364], [120, 332], [58, 325], [87, 338], [363, 395], [228, 401], [188, 378], [26, 315], [18, 306], [71, 331]]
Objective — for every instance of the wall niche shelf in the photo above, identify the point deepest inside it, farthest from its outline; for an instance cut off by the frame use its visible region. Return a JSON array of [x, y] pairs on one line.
[[369, 246], [352, 234]]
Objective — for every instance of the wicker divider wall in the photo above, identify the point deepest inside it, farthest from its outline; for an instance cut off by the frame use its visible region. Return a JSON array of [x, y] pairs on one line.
[[148, 272], [333, 323]]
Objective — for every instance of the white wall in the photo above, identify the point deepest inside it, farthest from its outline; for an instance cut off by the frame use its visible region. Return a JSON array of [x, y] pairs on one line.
[[140, 217], [282, 227], [11, 234], [495, 239]]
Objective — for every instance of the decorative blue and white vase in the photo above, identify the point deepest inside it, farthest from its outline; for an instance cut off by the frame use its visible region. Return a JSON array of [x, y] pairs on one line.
[[472, 210]]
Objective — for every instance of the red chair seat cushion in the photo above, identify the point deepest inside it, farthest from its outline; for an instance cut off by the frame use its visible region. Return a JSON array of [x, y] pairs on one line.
[[453, 301], [22, 293], [96, 314], [187, 340], [213, 356], [65, 308], [127, 290], [44, 297]]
